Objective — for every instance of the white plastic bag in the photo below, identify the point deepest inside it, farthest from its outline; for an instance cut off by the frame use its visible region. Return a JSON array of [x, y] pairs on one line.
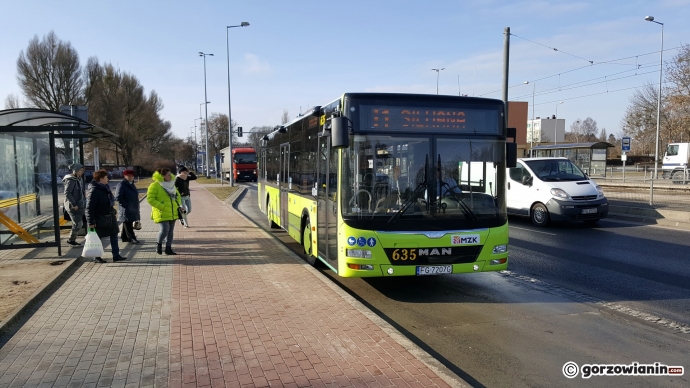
[[92, 246]]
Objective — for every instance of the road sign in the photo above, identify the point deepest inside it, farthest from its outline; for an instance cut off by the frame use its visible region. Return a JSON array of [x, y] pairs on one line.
[[625, 144]]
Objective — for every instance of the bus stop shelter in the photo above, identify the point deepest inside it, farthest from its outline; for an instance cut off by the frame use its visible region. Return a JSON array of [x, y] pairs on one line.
[[590, 157], [35, 145]]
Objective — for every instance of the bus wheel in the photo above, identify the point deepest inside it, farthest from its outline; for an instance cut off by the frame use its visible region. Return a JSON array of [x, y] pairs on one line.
[[539, 215], [269, 212], [306, 243]]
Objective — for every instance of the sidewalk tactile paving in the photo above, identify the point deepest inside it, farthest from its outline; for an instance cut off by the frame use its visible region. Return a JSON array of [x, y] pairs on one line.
[[232, 309]]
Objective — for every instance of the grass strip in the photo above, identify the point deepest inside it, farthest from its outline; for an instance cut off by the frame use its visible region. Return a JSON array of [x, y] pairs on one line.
[[222, 192]]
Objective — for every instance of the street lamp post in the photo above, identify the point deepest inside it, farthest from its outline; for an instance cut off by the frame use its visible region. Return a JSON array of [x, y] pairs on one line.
[[227, 44], [658, 106], [196, 145], [555, 129], [531, 140], [206, 110], [437, 72]]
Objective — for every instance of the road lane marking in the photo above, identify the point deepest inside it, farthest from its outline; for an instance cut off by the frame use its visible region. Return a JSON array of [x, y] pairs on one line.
[[534, 282], [532, 230]]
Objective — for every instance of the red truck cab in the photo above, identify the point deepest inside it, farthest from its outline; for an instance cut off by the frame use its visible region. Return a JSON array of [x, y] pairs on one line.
[[244, 164]]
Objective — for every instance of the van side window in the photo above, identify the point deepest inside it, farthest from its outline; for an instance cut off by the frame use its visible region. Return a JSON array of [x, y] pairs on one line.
[[516, 173]]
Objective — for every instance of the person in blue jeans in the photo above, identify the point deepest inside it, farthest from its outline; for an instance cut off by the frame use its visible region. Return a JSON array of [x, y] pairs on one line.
[[182, 183], [101, 214]]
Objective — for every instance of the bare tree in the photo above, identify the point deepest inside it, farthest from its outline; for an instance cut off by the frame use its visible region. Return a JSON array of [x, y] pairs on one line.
[[583, 130], [49, 73], [118, 103], [285, 118], [217, 133], [257, 133], [678, 96], [12, 101]]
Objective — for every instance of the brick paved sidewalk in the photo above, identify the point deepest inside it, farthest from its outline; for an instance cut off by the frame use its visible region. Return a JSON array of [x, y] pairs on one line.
[[235, 308]]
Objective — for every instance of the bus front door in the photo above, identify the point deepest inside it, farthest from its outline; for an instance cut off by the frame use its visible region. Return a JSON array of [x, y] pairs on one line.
[[327, 203], [284, 184], [322, 185]]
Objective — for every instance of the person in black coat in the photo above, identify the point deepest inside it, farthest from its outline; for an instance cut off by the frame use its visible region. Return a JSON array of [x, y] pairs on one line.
[[101, 214], [182, 183], [127, 196]]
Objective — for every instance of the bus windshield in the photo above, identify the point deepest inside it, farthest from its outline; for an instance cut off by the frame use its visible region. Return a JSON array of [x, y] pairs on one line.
[[245, 158], [556, 170], [403, 182]]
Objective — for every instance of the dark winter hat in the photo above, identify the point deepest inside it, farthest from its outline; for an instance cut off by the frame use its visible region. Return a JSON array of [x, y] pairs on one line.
[[75, 167], [128, 172], [181, 169]]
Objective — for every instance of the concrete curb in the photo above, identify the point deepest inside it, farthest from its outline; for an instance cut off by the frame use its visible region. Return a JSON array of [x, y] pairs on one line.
[[46, 289], [420, 354]]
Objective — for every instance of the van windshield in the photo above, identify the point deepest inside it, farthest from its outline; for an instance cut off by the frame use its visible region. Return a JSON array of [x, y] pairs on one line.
[[556, 170]]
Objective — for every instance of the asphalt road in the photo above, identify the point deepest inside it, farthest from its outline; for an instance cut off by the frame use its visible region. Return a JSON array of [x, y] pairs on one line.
[[616, 293]]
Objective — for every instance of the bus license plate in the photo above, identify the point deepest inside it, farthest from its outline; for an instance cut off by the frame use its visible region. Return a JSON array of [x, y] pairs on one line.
[[589, 211], [434, 270]]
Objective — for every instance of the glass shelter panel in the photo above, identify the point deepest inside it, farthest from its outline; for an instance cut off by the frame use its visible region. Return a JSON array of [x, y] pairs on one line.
[[26, 189]]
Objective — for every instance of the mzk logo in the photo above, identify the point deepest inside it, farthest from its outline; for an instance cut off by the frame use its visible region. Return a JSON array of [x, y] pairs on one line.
[[466, 239]]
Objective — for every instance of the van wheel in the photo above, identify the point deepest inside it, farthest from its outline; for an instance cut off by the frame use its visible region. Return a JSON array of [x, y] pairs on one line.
[[306, 243], [539, 215], [677, 177]]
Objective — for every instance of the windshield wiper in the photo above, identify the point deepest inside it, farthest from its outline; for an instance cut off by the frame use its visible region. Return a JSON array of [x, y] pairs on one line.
[[421, 186], [465, 209]]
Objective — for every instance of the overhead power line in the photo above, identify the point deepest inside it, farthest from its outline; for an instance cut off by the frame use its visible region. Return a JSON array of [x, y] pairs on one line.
[[554, 49]]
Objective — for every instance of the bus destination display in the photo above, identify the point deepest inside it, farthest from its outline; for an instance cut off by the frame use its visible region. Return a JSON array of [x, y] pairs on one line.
[[416, 118]]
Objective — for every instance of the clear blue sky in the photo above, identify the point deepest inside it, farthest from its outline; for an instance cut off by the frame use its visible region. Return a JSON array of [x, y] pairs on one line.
[[296, 54]]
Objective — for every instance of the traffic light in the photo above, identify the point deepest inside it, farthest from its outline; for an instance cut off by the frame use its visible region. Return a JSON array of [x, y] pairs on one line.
[[239, 131], [222, 157]]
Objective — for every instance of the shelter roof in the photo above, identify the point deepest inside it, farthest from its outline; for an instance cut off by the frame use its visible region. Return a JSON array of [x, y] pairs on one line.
[[597, 144], [36, 118]]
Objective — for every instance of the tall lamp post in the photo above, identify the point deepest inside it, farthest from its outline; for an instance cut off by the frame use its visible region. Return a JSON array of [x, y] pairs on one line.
[[227, 44], [196, 145], [555, 129], [658, 106], [531, 138], [206, 110], [437, 72]]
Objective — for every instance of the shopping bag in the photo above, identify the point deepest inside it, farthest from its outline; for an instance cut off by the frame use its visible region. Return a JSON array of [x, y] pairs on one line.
[[92, 246]]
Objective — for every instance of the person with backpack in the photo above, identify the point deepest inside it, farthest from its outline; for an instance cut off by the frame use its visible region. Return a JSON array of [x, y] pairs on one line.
[[75, 200]]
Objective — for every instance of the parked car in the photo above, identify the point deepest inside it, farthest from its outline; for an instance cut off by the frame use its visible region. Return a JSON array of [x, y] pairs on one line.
[[553, 189]]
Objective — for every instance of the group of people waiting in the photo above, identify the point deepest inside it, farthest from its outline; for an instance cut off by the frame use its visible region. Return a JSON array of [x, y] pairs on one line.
[[169, 200]]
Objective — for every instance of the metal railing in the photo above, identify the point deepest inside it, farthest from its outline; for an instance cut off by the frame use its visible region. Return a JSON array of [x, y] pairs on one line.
[[636, 186]]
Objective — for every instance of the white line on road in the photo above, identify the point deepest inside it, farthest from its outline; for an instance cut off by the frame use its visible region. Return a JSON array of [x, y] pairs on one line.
[[532, 230]]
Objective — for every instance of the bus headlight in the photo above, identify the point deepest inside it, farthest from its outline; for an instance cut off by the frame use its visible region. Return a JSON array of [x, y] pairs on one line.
[[358, 253], [500, 249]]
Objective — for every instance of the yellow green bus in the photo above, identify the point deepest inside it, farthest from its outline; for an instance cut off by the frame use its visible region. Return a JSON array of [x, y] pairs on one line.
[[379, 184]]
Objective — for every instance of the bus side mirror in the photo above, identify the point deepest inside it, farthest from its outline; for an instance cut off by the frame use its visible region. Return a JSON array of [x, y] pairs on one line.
[[511, 155], [340, 136]]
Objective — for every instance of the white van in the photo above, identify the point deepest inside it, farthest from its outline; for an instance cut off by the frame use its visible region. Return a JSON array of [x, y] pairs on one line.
[[553, 189]]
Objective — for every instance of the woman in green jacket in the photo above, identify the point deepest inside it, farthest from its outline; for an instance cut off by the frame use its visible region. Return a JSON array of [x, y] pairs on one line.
[[164, 200]]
